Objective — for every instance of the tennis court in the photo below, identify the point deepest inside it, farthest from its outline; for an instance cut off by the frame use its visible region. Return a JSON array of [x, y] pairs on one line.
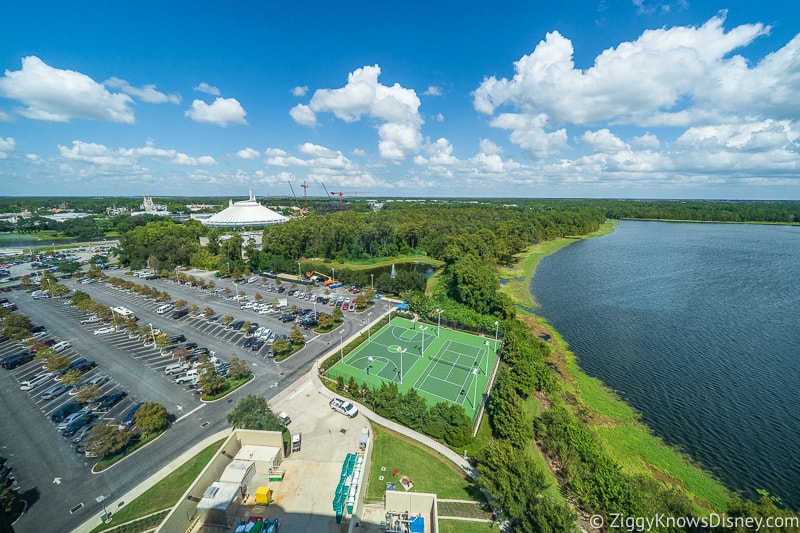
[[441, 364]]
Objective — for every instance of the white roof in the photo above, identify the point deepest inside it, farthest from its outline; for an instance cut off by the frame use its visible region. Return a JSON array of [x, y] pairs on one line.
[[245, 213]]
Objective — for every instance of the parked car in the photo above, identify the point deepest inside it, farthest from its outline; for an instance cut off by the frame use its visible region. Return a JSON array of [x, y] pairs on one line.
[[257, 345], [13, 361], [343, 406], [248, 342], [65, 410], [166, 308], [80, 364], [47, 342], [83, 433], [180, 313], [90, 320], [104, 403], [78, 424], [96, 381], [69, 419], [105, 330], [35, 381], [129, 416], [54, 392]]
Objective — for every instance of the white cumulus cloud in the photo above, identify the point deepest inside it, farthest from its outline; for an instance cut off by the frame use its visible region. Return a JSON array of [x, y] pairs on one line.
[[101, 155], [222, 111], [56, 95], [604, 141], [203, 87], [300, 90], [147, 93], [363, 96], [303, 115], [247, 153], [6, 145]]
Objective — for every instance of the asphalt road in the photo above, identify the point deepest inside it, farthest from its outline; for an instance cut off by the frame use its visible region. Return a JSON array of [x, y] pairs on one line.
[[55, 480]]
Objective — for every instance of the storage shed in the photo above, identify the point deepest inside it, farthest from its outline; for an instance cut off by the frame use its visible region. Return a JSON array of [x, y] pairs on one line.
[[238, 471], [263, 457], [219, 504]]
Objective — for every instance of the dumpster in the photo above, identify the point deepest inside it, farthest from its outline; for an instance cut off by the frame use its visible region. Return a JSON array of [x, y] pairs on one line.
[[263, 495]]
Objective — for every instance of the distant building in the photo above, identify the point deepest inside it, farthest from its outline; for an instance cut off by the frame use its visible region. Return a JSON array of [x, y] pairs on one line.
[[244, 214]]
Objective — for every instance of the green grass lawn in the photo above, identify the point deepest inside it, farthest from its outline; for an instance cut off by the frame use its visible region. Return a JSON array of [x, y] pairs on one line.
[[429, 471], [166, 492], [463, 526]]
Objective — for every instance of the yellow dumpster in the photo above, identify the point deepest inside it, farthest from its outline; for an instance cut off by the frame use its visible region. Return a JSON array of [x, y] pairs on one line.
[[263, 494]]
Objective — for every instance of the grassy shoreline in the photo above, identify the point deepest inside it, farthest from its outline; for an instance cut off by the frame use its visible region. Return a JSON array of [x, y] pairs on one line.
[[617, 425]]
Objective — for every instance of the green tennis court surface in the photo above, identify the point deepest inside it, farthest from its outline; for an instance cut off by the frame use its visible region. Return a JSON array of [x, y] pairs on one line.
[[442, 364]]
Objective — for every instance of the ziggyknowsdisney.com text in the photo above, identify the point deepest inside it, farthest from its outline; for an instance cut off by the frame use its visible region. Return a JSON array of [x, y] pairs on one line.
[[713, 520]]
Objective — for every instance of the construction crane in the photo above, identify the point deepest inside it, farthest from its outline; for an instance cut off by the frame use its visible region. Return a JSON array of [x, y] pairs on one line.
[[334, 193], [302, 212], [305, 186]]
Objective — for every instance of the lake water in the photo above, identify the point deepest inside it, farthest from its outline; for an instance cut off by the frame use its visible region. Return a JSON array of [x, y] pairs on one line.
[[698, 327]]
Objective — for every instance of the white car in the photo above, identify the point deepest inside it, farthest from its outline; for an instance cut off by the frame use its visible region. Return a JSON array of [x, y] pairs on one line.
[[105, 330], [90, 320], [35, 381]]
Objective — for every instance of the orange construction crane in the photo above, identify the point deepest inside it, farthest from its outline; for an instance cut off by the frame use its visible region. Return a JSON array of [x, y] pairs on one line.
[[305, 187], [343, 193]]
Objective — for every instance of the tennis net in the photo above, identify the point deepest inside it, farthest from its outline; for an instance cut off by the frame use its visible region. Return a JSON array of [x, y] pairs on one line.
[[468, 368]]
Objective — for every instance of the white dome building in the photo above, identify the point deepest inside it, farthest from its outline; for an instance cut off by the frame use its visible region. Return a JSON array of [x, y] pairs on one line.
[[245, 213]]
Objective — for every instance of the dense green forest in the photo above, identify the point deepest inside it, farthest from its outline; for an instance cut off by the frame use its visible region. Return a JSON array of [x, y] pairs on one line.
[[405, 232]]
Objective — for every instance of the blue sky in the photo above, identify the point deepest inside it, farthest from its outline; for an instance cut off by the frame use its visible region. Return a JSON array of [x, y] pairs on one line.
[[608, 99]]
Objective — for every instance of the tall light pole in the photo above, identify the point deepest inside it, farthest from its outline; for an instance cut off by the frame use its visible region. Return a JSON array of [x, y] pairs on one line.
[[496, 328], [299, 275], [438, 322], [401, 351], [152, 334], [333, 275], [101, 500], [372, 281], [487, 357], [475, 392]]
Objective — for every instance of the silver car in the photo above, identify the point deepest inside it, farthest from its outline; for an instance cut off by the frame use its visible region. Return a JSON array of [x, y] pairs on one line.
[[54, 392], [35, 381]]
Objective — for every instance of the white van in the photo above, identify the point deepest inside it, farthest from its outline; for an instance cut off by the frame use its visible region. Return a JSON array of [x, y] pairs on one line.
[[61, 346], [166, 308], [189, 377], [176, 368]]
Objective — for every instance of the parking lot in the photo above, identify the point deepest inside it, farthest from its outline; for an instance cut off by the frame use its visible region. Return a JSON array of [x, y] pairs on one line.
[[61, 476]]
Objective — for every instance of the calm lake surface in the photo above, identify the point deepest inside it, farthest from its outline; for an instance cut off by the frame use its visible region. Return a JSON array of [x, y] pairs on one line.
[[698, 327]]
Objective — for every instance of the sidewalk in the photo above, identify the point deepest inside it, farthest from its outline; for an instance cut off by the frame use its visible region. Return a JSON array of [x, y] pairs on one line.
[[137, 491]]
